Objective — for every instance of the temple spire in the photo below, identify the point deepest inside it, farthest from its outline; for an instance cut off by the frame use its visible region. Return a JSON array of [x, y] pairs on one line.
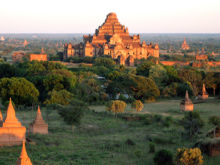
[[39, 115], [23, 151], [187, 95], [23, 159], [11, 119], [203, 88]]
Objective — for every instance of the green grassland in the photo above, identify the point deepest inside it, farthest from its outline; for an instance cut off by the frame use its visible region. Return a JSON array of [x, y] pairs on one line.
[[102, 137]]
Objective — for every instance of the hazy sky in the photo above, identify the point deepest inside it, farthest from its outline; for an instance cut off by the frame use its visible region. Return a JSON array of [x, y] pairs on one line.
[[84, 16]]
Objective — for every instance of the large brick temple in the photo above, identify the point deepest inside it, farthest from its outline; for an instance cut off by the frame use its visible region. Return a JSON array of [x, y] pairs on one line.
[[112, 38]]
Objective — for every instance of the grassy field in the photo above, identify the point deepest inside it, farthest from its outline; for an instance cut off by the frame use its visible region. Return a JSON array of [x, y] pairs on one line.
[[102, 138]]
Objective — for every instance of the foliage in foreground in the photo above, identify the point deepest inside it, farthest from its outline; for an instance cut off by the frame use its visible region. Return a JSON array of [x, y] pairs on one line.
[[189, 156]]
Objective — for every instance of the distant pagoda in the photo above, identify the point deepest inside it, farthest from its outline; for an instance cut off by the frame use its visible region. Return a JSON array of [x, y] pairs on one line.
[[185, 46], [38, 125], [203, 95], [186, 104]]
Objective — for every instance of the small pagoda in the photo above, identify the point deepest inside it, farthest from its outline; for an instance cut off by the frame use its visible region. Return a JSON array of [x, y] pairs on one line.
[[39, 125], [186, 104], [23, 159], [203, 95], [12, 132]]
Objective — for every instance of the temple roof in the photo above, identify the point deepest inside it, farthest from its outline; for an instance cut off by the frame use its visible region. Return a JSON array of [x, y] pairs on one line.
[[111, 26], [23, 159], [11, 119]]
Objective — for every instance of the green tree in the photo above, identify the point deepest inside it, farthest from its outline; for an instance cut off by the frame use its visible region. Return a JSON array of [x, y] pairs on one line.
[[62, 97], [22, 91], [73, 113], [90, 91], [142, 87], [215, 120], [7, 70], [192, 123], [144, 68], [104, 61], [192, 76], [211, 81], [159, 74]]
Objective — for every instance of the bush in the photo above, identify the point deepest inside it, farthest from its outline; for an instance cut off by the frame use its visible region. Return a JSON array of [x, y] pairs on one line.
[[148, 120], [158, 118], [168, 121], [191, 156], [138, 105], [151, 147], [73, 113], [192, 123], [116, 106], [163, 157]]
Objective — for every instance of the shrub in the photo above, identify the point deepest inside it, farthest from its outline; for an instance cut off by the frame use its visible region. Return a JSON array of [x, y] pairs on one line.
[[151, 147], [116, 106], [158, 118], [163, 157], [191, 156], [148, 120], [73, 113], [192, 123], [138, 105], [168, 120]]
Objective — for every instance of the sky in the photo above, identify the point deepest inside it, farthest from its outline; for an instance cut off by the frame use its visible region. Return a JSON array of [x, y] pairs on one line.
[[84, 16]]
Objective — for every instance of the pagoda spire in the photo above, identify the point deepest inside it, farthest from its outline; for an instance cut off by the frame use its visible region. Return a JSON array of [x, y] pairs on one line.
[[203, 88], [23, 159], [184, 40], [187, 95], [23, 151], [39, 115], [11, 119]]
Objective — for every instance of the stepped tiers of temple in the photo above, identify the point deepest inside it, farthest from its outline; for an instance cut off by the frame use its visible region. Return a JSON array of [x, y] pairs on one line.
[[185, 46], [11, 132], [186, 104], [23, 159], [203, 95], [112, 38], [38, 126]]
